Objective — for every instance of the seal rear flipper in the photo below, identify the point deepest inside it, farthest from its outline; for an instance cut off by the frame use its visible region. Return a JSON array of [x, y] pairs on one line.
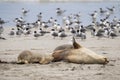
[[75, 44]]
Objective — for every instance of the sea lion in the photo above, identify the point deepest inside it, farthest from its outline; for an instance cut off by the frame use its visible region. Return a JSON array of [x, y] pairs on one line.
[[79, 54], [27, 56]]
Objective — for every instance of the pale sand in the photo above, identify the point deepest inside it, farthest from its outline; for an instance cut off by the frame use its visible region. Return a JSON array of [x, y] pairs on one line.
[[10, 48]]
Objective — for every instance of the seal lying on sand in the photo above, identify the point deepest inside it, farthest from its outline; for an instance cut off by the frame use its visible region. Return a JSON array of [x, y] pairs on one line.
[[30, 57], [77, 54]]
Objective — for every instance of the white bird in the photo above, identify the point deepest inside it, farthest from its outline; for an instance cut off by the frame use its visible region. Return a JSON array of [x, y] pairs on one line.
[[62, 34], [54, 33], [59, 11], [24, 12], [12, 32], [36, 35]]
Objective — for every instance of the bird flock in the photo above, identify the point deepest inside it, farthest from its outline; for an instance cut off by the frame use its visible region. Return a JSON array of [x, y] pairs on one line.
[[71, 25]]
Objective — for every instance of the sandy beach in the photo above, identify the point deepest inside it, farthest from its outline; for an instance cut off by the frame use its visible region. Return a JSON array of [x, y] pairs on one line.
[[10, 49]]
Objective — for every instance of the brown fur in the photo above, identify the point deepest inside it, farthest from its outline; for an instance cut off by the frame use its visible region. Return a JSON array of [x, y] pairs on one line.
[[30, 57], [65, 46], [74, 45], [79, 54]]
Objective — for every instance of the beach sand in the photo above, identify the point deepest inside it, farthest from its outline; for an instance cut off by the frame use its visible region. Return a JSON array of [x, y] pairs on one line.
[[10, 49]]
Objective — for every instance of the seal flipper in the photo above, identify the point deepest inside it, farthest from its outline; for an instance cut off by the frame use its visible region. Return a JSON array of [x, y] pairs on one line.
[[75, 44]]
